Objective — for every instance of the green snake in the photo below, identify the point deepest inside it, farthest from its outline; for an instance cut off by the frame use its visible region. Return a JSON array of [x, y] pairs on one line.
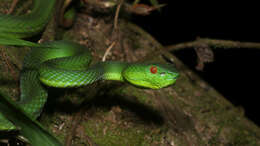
[[61, 64]]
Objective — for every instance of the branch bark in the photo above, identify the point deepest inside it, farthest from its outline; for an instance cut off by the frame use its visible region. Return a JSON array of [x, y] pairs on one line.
[[213, 43]]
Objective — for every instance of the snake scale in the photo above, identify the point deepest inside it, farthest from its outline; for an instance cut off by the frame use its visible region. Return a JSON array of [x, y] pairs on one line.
[[60, 64]]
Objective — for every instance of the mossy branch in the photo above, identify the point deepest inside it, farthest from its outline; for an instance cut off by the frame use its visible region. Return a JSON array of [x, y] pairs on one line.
[[213, 43]]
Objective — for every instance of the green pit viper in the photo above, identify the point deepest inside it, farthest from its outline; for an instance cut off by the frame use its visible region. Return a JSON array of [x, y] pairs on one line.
[[60, 64]]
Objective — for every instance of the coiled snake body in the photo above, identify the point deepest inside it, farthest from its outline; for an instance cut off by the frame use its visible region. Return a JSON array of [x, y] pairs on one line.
[[64, 64]]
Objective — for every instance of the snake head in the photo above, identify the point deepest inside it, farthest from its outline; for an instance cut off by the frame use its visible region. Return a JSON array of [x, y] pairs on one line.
[[151, 75]]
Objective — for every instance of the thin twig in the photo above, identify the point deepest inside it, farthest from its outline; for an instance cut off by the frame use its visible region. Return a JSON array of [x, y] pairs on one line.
[[64, 5], [115, 31], [11, 9], [213, 43], [117, 14], [108, 50]]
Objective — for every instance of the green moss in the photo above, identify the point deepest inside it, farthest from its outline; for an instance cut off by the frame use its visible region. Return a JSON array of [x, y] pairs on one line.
[[241, 136], [50, 124], [241, 139], [110, 134]]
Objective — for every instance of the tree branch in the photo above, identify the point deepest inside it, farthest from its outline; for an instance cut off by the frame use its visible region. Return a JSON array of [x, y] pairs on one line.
[[213, 43]]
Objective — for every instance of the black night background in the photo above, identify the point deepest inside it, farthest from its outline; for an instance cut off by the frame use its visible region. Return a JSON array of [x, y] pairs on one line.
[[234, 72]]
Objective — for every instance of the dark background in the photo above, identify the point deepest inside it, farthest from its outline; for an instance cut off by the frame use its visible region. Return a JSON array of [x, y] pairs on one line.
[[235, 72]]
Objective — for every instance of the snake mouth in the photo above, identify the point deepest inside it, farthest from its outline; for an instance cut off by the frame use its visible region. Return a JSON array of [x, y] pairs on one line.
[[152, 84], [141, 83]]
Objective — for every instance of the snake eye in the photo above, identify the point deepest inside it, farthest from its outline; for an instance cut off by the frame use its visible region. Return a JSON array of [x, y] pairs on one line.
[[153, 70], [162, 74]]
